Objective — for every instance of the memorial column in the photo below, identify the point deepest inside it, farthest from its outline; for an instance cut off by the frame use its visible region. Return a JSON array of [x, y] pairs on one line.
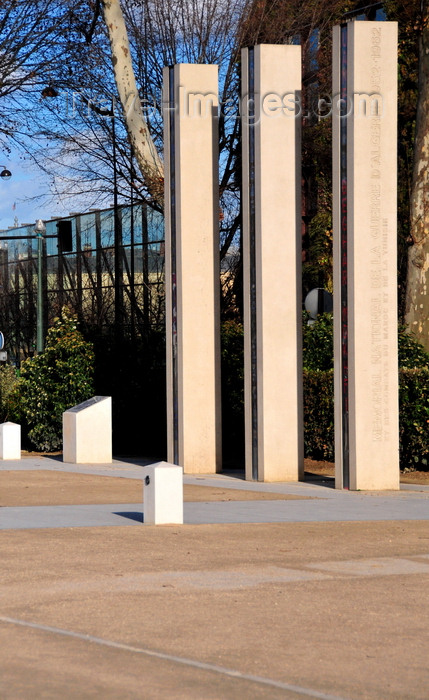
[[365, 265], [271, 118], [192, 267]]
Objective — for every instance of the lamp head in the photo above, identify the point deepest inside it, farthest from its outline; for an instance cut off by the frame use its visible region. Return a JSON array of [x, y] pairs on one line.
[[40, 228], [49, 91], [5, 173]]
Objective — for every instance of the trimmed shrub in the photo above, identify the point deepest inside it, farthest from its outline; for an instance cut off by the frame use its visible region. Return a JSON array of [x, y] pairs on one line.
[[57, 379], [319, 414], [232, 354], [319, 393], [414, 418], [411, 353], [413, 363], [9, 402], [318, 343]]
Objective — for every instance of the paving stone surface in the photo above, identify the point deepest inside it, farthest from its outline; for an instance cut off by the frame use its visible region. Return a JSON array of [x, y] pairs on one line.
[[323, 596]]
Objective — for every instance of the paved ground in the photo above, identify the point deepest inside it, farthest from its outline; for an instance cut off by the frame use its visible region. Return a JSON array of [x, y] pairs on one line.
[[317, 594]]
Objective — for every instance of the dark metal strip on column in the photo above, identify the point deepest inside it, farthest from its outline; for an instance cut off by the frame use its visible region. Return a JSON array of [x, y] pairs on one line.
[[252, 261], [171, 116], [343, 266]]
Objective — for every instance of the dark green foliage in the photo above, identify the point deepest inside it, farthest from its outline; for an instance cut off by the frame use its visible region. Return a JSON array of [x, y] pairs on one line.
[[414, 418], [57, 379], [8, 400], [318, 389], [319, 393], [318, 343], [413, 363], [232, 390], [318, 353], [319, 414], [411, 353]]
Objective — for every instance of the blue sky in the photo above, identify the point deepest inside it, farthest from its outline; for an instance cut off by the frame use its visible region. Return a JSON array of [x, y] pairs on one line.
[[27, 196], [17, 194]]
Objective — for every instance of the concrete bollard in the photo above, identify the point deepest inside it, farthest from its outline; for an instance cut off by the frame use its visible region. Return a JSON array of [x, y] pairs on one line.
[[10, 441], [87, 432], [163, 494]]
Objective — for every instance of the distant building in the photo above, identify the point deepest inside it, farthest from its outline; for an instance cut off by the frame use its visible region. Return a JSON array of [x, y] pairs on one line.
[[113, 283]]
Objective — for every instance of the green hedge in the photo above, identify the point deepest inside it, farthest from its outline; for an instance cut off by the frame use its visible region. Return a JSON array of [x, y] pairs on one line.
[[413, 361], [413, 416], [319, 414], [232, 392], [8, 401], [58, 378], [319, 393]]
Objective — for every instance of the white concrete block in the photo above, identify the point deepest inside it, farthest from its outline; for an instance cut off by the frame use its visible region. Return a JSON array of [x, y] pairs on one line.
[[10, 441], [163, 494], [87, 432]]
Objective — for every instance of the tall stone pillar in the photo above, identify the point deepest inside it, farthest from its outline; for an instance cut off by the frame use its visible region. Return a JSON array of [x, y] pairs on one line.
[[270, 102], [365, 270], [192, 267]]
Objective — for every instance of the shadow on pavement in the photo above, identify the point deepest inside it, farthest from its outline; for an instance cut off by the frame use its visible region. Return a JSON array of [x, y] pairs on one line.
[[132, 515], [311, 478]]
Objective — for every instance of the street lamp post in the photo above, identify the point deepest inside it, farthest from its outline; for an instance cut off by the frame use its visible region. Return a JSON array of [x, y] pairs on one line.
[[39, 230]]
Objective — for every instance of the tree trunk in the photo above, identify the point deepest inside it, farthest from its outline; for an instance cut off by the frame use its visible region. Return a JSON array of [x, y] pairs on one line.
[[417, 297], [143, 147]]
